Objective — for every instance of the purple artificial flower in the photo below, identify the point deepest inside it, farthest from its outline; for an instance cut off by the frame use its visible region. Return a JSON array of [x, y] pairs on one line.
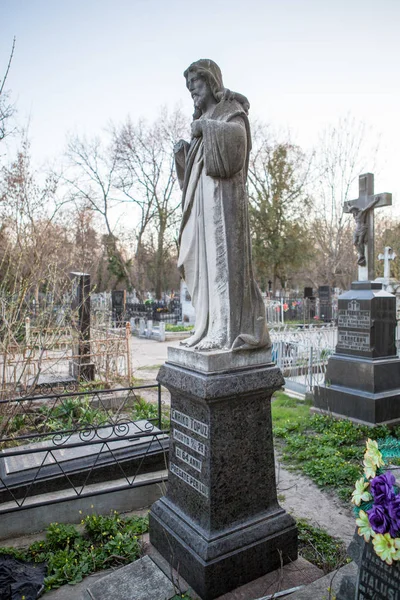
[[393, 508], [379, 518], [382, 488]]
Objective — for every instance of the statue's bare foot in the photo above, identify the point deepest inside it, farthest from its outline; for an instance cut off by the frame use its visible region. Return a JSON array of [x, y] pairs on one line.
[[362, 261], [190, 341], [207, 344]]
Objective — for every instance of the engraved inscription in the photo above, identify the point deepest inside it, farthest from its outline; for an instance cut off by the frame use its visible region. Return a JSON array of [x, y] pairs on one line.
[[188, 458], [376, 579], [188, 441], [354, 319], [193, 424], [354, 340], [192, 481]]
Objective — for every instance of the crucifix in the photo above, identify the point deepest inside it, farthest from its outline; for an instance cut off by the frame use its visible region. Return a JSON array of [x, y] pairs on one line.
[[387, 256], [362, 210]]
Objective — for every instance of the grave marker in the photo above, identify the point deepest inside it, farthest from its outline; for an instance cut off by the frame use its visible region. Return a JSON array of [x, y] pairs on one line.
[[362, 380], [363, 212], [82, 367]]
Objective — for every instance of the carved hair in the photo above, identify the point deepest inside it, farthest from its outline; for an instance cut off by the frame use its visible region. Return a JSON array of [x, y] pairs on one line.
[[211, 73]]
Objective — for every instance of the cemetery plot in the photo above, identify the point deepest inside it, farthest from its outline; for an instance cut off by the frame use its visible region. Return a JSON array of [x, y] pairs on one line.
[[70, 441]]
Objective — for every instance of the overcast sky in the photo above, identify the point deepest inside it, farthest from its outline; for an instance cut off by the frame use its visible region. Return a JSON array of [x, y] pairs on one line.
[[302, 63]]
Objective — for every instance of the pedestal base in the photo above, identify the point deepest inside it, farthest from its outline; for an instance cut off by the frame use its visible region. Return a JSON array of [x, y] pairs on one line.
[[366, 391], [216, 564], [220, 524]]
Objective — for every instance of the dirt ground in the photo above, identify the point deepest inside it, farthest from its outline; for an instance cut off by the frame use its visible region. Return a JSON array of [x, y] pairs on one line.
[[298, 495]]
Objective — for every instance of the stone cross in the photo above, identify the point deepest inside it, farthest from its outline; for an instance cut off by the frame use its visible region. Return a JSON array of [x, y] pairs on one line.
[[387, 256], [367, 198]]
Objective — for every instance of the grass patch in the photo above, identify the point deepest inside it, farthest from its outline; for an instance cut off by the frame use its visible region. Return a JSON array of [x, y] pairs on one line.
[[319, 548], [147, 410], [328, 451], [71, 554], [176, 328]]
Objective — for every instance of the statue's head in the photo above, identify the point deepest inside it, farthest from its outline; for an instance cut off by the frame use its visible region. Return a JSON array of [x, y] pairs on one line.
[[354, 211], [204, 81]]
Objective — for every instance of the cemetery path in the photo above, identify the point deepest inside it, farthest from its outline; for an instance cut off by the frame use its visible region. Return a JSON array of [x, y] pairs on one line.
[[302, 497]]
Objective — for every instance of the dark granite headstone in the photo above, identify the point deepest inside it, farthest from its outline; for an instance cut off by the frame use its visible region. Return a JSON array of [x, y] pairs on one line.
[[362, 380], [325, 303], [82, 367], [375, 580], [220, 524], [118, 303]]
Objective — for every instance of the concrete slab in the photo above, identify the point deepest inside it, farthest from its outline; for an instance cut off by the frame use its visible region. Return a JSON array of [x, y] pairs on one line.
[[141, 580], [53, 453], [326, 587]]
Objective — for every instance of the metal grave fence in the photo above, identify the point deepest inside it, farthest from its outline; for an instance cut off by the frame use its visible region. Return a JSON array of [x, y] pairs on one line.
[[302, 354], [69, 443]]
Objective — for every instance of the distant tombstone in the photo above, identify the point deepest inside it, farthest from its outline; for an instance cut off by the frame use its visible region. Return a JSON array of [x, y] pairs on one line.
[[188, 312], [118, 300], [362, 380], [142, 326], [81, 366], [308, 292], [325, 303]]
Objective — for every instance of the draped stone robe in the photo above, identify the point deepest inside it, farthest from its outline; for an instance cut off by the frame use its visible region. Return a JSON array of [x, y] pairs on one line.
[[215, 247]]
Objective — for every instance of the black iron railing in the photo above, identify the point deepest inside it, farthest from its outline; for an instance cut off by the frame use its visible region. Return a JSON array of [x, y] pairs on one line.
[[71, 441]]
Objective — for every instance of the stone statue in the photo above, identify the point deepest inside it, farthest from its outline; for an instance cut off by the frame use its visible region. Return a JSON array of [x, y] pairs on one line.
[[361, 230], [215, 249]]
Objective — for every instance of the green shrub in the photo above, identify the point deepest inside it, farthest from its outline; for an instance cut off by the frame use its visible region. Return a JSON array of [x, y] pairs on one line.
[[70, 555]]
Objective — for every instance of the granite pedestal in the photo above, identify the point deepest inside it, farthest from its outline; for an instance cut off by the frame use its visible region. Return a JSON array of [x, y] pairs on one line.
[[220, 524], [362, 380]]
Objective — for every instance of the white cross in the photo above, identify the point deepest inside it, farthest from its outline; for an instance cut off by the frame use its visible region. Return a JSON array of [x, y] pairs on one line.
[[387, 256]]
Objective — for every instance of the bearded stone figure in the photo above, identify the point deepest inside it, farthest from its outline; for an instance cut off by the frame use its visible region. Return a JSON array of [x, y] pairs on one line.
[[215, 248]]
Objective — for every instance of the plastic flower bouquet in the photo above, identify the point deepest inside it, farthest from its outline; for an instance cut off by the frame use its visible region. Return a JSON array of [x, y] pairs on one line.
[[377, 505]]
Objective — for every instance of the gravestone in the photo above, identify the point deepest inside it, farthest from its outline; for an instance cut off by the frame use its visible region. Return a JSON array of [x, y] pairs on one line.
[[362, 380], [309, 304], [82, 367], [374, 580], [325, 303], [118, 300], [219, 524]]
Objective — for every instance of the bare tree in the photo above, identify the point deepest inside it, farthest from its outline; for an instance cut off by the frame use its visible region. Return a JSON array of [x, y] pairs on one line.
[[7, 109], [92, 181], [146, 170], [278, 174], [340, 158], [28, 212]]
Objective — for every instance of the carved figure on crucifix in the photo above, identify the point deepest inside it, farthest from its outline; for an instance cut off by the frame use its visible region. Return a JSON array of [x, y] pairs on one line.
[[362, 210], [360, 236]]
